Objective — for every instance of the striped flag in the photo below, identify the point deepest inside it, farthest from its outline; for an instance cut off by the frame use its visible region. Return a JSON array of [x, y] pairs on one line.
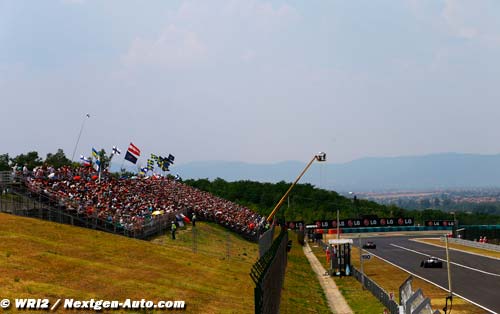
[[134, 150], [85, 160], [97, 163], [133, 153], [151, 164]]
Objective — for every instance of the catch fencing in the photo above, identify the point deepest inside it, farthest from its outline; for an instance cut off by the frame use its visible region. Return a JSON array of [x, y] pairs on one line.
[[268, 274]]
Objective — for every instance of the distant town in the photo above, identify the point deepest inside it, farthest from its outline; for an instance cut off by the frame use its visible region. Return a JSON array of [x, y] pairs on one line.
[[481, 200]]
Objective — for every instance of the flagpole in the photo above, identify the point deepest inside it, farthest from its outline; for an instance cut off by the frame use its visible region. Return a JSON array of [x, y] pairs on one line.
[[79, 135]]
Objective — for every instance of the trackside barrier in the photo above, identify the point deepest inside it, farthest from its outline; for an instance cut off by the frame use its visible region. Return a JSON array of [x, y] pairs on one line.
[[377, 291], [486, 246], [414, 302], [387, 229], [268, 274]]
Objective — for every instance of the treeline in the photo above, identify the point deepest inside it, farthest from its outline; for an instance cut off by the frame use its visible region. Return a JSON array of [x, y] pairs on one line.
[[32, 160], [58, 159], [309, 203]]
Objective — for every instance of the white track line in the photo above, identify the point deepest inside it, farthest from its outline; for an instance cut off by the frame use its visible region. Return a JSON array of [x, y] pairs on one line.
[[457, 264], [454, 249], [435, 284]]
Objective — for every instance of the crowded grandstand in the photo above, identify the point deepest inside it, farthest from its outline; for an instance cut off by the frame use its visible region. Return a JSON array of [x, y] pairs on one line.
[[134, 203]]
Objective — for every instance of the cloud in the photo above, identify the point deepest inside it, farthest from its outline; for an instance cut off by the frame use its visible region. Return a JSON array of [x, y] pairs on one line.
[[213, 31], [73, 1], [174, 47], [473, 19]]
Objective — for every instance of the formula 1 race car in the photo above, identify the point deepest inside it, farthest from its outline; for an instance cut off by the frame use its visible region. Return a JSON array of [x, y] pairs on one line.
[[369, 245], [431, 262]]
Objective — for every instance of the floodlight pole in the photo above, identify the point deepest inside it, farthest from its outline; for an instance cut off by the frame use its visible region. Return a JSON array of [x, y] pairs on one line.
[[79, 135], [319, 157]]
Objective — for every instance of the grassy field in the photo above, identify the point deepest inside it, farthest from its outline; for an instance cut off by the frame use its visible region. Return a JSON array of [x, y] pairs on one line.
[[461, 247], [302, 292], [390, 278], [39, 259]]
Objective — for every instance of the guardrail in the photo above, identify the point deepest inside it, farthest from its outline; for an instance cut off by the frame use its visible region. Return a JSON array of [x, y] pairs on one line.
[[377, 291], [486, 246]]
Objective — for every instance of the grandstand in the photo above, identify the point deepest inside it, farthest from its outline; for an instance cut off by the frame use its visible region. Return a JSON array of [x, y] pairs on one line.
[[139, 207]]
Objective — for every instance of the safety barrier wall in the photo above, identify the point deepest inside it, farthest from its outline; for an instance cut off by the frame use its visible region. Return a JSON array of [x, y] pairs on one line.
[[486, 246]]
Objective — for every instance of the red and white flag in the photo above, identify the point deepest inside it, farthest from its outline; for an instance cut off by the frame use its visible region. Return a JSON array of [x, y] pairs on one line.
[[134, 150], [133, 153]]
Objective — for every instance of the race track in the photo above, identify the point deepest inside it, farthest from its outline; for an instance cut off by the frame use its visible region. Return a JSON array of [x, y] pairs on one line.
[[474, 277]]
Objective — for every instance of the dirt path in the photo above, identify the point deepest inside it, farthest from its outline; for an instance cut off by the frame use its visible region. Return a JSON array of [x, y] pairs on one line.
[[335, 299]]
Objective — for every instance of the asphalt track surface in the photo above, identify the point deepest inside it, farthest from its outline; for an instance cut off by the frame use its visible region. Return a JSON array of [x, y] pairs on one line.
[[473, 277]]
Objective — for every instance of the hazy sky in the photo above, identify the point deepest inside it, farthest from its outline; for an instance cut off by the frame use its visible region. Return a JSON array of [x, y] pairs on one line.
[[250, 80]]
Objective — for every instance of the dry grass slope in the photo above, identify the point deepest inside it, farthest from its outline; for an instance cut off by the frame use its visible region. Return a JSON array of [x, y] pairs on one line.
[[39, 259]]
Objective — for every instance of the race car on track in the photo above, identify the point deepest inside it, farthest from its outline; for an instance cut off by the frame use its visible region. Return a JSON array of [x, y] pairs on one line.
[[431, 262], [369, 245]]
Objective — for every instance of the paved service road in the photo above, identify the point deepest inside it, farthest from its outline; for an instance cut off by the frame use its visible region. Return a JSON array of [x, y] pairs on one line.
[[473, 277]]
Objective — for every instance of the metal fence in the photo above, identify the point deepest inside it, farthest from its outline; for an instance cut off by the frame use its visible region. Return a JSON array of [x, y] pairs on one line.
[[268, 274], [377, 291]]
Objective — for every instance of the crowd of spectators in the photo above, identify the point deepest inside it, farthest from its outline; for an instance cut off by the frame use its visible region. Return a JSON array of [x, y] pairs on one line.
[[135, 203]]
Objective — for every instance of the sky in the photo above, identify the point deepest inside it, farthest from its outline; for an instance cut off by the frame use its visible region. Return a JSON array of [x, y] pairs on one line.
[[251, 80]]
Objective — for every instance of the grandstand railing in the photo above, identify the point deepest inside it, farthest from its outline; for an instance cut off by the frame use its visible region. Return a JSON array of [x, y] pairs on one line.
[[268, 274], [5, 178]]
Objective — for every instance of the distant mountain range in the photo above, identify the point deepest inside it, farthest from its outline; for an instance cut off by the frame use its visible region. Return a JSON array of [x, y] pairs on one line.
[[429, 172]]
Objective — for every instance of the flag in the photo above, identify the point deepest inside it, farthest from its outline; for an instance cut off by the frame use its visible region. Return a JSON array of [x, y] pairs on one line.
[[134, 150], [133, 153], [85, 160], [151, 164], [95, 154], [154, 157], [130, 157], [116, 151], [171, 158]]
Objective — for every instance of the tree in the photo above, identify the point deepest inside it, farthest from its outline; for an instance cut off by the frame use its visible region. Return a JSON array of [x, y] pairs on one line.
[[30, 160], [4, 162], [58, 159]]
